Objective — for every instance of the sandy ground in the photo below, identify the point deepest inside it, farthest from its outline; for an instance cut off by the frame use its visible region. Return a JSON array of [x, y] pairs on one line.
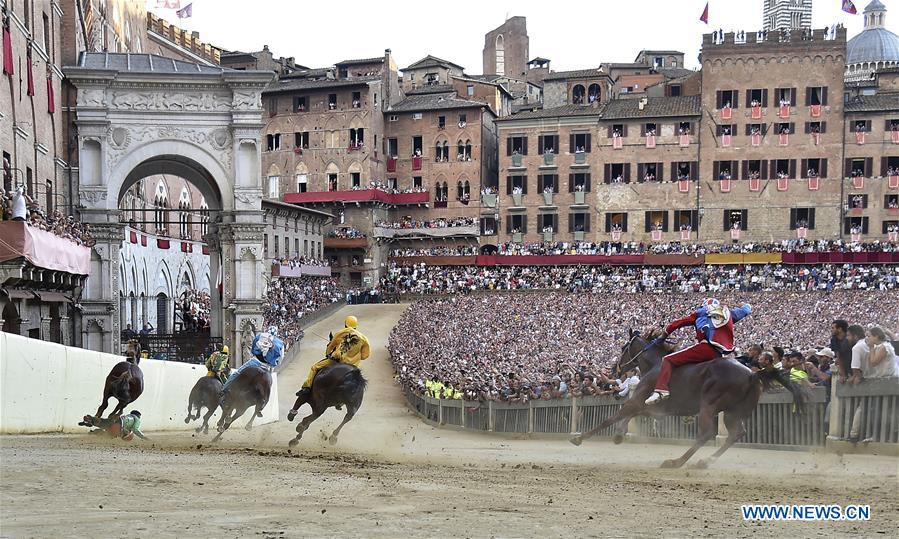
[[391, 475]]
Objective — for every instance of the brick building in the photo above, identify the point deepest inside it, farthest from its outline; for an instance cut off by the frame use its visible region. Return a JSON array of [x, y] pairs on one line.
[[506, 49], [262, 60], [430, 71]]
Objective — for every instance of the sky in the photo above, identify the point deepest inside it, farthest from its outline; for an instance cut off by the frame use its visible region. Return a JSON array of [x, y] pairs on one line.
[[573, 35]]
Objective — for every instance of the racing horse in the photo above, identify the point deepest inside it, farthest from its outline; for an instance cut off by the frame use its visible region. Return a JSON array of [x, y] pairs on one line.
[[335, 385], [205, 394], [125, 382], [702, 389], [252, 387]]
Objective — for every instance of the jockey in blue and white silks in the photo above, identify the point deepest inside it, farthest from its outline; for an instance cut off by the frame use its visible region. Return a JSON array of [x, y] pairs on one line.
[[268, 351]]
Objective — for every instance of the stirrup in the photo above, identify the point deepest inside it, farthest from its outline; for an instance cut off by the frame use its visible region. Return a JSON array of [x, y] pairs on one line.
[[657, 396]]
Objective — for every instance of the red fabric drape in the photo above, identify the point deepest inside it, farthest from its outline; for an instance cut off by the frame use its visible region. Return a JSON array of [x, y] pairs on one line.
[[51, 99], [30, 75], [7, 51]]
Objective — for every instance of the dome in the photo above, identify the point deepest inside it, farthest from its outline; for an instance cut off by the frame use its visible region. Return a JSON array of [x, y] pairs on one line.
[[873, 45]]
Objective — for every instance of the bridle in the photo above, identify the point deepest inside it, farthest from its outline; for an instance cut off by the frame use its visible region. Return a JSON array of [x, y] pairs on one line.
[[633, 360]]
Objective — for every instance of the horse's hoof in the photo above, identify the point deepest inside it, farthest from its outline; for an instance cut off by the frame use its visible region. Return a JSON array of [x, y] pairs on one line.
[[291, 415], [617, 439], [671, 463], [577, 439], [248, 428], [294, 442], [187, 420], [198, 429], [332, 440]]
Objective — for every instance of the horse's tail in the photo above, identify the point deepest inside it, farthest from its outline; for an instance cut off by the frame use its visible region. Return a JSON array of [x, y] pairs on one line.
[[353, 382], [768, 377]]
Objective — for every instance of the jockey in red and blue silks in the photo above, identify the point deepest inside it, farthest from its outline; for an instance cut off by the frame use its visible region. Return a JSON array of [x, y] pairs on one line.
[[267, 349], [714, 325]]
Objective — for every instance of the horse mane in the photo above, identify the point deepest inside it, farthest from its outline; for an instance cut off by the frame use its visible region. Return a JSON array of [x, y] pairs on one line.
[[652, 334]]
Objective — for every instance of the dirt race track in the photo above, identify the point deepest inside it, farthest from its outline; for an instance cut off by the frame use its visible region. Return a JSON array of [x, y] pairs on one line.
[[391, 475]]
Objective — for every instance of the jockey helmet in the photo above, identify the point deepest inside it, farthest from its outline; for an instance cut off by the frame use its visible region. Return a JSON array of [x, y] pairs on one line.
[[273, 331], [225, 349], [351, 322], [135, 413], [711, 304]]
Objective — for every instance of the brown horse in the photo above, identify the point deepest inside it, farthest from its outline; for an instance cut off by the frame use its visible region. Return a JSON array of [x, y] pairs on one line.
[[335, 385], [252, 387], [125, 382], [205, 394], [702, 389]]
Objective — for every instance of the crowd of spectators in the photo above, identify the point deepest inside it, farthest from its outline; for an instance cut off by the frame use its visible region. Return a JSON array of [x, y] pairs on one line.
[[298, 261], [287, 301], [424, 279], [194, 307], [16, 205], [439, 250], [522, 346], [381, 186], [346, 232], [408, 222], [635, 248]]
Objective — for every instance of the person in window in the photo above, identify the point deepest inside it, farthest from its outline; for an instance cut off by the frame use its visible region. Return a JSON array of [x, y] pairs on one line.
[[616, 133]]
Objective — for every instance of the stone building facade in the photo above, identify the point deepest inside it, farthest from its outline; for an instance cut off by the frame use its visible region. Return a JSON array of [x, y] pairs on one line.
[[506, 49]]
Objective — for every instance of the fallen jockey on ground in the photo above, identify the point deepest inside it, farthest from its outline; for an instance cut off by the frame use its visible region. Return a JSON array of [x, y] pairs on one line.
[[124, 427], [348, 346], [714, 324], [268, 350]]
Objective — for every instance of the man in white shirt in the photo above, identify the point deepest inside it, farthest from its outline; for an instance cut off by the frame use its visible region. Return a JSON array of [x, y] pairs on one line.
[[628, 384], [860, 353], [19, 207]]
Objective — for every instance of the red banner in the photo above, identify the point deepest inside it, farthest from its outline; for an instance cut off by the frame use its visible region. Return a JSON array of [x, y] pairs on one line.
[[755, 184], [815, 111], [860, 137], [725, 186], [162, 243], [617, 143], [783, 184], [893, 182], [727, 113], [650, 141], [684, 140], [683, 186], [756, 139], [858, 182], [813, 183], [784, 111], [756, 113]]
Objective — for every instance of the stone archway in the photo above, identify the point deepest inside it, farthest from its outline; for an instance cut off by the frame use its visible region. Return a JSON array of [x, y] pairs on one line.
[[139, 115]]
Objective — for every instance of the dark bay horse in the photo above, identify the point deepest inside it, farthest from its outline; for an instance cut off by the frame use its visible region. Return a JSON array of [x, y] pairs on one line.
[[205, 394], [336, 385], [125, 382], [251, 388], [702, 389]]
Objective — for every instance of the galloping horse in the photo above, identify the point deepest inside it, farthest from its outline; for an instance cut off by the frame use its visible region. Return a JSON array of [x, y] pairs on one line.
[[205, 393], [335, 385], [125, 382], [252, 387], [722, 385]]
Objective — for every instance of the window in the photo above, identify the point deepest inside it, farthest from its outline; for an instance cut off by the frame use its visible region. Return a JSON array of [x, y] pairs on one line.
[[273, 142], [463, 120], [391, 183], [416, 182], [357, 100], [736, 219], [357, 137], [549, 222], [685, 128], [301, 140], [783, 168], [858, 167], [392, 148], [892, 125], [656, 220], [578, 94], [500, 55], [578, 222], [300, 104], [785, 128], [488, 226], [658, 61], [301, 183], [785, 97], [802, 218], [416, 146], [548, 144], [46, 21], [674, 90], [516, 185], [815, 127], [548, 183], [813, 168], [441, 122], [725, 170], [273, 182], [727, 98], [49, 196], [442, 151], [617, 172], [815, 95], [305, 247], [616, 222], [617, 130], [332, 182], [332, 101], [648, 129], [649, 172], [755, 169], [725, 129], [855, 225], [756, 129], [757, 97], [264, 245], [579, 142], [686, 219], [861, 126], [416, 116], [356, 178], [684, 170], [470, 90], [517, 145], [890, 226], [393, 118], [857, 201], [517, 223], [276, 244], [579, 182], [889, 166]]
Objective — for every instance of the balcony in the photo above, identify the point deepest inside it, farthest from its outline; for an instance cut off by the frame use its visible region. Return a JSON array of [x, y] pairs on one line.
[[43, 249], [488, 201], [580, 158], [580, 197], [366, 195], [346, 243], [424, 232], [548, 198], [516, 160], [549, 159], [516, 199]]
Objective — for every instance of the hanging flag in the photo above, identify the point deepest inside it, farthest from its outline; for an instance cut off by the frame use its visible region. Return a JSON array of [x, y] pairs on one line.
[[849, 7], [218, 279], [7, 48], [30, 78], [51, 98], [186, 11], [705, 14]]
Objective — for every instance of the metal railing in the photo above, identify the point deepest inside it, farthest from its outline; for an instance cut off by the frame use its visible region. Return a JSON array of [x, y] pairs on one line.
[[870, 411], [185, 347]]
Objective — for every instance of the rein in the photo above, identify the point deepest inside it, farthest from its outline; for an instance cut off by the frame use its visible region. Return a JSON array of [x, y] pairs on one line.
[[633, 360]]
